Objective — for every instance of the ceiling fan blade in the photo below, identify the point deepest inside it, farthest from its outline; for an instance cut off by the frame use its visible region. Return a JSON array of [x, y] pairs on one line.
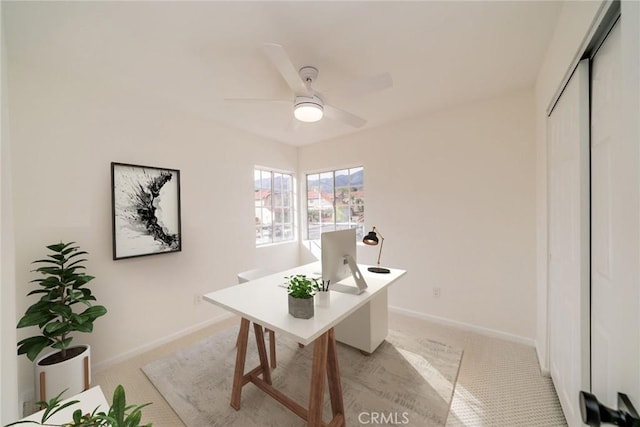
[[256, 100], [293, 125], [280, 59], [364, 86], [344, 116]]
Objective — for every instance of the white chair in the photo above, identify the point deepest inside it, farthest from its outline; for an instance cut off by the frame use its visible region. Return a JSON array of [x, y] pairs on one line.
[[254, 274]]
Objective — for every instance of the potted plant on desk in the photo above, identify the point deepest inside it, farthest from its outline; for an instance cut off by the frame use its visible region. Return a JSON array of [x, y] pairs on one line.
[[64, 307], [301, 290]]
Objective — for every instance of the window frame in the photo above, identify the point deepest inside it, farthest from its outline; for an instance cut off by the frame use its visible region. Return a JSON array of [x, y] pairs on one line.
[[335, 226], [291, 223]]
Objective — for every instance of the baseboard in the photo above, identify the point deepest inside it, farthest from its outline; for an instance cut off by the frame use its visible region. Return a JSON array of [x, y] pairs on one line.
[[544, 369], [465, 326], [157, 343], [436, 319]]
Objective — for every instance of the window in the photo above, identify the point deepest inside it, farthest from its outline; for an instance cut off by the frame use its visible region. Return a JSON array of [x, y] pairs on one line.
[[335, 201], [273, 205]]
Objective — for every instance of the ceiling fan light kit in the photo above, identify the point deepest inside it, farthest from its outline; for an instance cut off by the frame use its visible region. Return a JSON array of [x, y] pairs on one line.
[[308, 108]]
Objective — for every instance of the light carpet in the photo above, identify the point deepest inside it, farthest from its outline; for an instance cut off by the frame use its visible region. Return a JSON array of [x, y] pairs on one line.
[[407, 381]]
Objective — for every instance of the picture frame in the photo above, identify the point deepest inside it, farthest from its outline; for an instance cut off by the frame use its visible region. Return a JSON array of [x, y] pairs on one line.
[[145, 207]]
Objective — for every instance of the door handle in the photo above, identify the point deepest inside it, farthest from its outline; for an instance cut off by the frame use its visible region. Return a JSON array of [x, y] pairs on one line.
[[595, 413]]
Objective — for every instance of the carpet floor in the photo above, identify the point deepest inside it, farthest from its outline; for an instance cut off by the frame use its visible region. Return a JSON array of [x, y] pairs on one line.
[[407, 380]]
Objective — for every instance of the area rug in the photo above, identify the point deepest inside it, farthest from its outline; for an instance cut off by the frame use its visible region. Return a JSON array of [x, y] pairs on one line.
[[406, 381]]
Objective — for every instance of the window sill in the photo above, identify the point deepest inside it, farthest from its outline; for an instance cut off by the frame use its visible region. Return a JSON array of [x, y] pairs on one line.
[[268, 245]]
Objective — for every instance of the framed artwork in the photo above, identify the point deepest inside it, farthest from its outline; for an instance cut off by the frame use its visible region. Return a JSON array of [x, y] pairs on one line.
[[146, 210]]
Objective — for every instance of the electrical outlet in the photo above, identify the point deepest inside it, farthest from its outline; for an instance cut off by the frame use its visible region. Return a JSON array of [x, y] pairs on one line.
[[436, 292], [197, 299]]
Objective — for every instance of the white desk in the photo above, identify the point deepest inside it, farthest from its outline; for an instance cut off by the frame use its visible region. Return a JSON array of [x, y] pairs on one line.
[[265, 304]]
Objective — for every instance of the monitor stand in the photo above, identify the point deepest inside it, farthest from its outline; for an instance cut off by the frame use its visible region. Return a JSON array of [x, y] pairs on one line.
[[345, 289], [357, 276]]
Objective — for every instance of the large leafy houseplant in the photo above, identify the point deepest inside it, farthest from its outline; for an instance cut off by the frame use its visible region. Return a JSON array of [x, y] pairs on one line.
[[119, 415], [65, 303]]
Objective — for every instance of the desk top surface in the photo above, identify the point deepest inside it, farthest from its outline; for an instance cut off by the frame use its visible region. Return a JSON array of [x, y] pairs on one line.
[[265, 301]]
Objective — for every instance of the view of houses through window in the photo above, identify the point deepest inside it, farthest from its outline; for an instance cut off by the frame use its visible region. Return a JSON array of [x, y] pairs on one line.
[[335, 201], [273, 206]]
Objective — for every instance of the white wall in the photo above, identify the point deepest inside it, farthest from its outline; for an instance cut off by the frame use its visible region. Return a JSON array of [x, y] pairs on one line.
[[8, 362], [64, 134], [453, 193]]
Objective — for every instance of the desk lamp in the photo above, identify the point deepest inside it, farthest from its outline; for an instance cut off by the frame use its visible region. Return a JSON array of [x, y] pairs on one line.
[[372, 239]]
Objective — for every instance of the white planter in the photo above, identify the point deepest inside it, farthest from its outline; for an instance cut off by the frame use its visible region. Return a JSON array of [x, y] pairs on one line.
[[323, 299], [73, 374]]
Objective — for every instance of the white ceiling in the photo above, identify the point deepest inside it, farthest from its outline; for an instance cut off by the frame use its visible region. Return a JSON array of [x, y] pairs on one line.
[[195, 54]]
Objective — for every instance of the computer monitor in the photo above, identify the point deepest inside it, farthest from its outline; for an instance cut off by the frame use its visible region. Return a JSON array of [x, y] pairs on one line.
[[339, 261]]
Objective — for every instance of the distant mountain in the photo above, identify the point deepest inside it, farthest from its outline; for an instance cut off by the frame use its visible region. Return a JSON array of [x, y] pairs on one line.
[[326, 185], [266, 183]]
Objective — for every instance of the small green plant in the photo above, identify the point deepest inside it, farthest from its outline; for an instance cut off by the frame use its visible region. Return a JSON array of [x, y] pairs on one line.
[[301, 286], [119, 415], [62, 288]]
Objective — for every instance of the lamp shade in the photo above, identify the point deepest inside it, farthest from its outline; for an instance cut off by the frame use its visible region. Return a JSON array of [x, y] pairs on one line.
[[371, 239]]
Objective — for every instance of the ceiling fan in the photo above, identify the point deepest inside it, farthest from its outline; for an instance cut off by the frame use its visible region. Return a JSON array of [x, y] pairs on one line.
[[310, 105]]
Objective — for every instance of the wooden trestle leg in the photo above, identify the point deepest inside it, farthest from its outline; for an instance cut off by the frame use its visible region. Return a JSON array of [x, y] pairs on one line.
[[241, 356], [318, 372], [333, 374], [262, 353], [325, 363]]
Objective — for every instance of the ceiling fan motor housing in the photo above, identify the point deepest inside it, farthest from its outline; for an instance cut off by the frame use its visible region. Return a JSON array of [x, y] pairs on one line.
[[308, 74]]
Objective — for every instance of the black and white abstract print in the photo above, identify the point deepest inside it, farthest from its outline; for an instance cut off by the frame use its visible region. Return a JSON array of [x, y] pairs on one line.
[[146, 210]]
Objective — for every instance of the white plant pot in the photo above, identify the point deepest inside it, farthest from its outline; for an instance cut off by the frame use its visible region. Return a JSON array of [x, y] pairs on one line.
[[73, 374], [323, 299]]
